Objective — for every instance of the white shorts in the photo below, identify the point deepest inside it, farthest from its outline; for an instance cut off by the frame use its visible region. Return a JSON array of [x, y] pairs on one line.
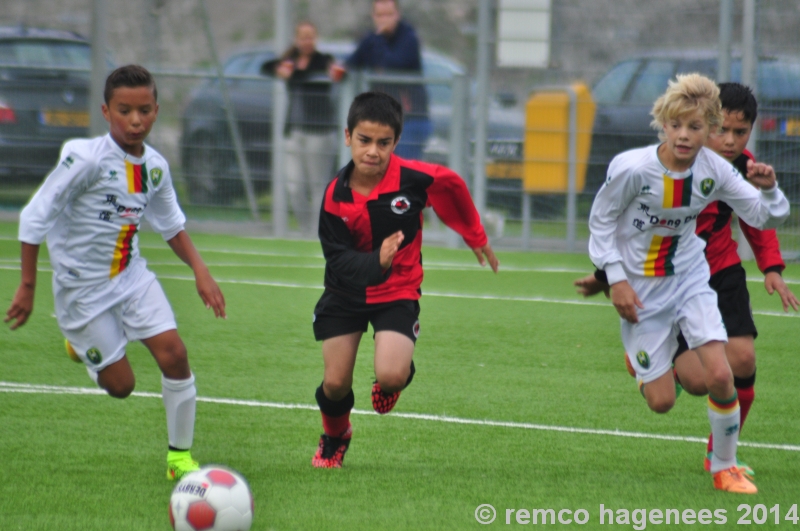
[[672, 304], [100, 320]]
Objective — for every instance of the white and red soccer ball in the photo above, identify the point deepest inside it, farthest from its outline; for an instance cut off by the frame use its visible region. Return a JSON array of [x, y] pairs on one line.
[[211, 499]]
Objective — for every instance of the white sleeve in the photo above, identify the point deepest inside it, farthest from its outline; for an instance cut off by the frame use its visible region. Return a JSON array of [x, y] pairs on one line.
[[73, 175], [765, 209], [163, 212], [614, 196]]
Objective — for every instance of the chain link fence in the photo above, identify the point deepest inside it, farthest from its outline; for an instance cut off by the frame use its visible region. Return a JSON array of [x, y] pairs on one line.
[[624, 51]]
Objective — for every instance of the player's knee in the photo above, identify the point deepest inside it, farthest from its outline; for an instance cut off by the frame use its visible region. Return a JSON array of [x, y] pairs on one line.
[[660, 404], [120, 388], [719, 378], [745, 364], [393, 380], [174, 360], [337, 387]]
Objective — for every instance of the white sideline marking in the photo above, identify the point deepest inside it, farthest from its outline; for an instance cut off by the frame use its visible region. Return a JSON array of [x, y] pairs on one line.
[[274, 284], [10, 387], [447, 295]]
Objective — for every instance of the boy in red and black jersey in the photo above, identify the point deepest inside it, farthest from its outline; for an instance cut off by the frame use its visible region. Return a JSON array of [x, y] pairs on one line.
[[370, 228], [728, 277]]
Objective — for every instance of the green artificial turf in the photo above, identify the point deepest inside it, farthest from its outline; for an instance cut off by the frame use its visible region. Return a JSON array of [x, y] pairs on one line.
[[520, 401]]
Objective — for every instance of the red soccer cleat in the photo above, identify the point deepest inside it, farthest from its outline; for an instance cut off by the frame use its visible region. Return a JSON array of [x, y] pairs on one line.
[[382, 402], [331, 450]]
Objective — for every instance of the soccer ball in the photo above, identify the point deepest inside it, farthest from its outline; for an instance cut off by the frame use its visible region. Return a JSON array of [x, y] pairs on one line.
[[213, 499]]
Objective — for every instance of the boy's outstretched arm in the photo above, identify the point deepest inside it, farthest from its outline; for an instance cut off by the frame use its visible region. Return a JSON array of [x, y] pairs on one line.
[[486, 251], [22, 305], [590, 285], [207, 287]]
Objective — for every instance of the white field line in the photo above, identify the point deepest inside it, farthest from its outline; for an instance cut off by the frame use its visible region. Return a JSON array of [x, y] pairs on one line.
[[546, 300], [9, 387]]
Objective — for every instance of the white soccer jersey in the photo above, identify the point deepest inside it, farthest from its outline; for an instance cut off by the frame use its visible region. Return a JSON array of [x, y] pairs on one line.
[[90, 206], [643, 218]]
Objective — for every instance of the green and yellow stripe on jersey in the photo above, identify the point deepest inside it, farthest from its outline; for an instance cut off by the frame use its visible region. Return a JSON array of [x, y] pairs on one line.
[[660, 255], [123, 250], [677, 192], [137, 177]]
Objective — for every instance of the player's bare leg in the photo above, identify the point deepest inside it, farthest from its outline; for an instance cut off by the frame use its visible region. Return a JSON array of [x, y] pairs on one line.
[[724, 416], [339, 356], [660, 393], [179, 394], [741, 354], [335, 399], [117, 379], [690, 373], [393, 368]]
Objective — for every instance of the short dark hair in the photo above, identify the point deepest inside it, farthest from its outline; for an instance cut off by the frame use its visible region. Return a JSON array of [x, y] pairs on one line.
[[129, 76], [376, 107], [396, 4], [739, 98]]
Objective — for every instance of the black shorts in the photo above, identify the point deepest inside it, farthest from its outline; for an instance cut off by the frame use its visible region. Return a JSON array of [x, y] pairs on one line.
[[733, 301], [335, 316]]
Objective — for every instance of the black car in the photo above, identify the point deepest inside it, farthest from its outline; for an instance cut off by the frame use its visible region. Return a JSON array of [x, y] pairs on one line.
[[207, 154], [44, 98], [625, 96]]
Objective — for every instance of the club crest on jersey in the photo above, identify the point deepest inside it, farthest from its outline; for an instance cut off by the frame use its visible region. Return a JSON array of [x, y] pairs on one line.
[[707, 186], [643, 359], [93, 355], [155, 176], [400, 205]]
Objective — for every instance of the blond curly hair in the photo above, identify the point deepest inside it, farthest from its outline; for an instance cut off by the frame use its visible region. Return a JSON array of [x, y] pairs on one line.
[[687, 94]]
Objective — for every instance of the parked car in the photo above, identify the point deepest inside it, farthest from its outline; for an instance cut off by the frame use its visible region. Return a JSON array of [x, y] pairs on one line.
[[44, 98], [625, 95], [208, 157]]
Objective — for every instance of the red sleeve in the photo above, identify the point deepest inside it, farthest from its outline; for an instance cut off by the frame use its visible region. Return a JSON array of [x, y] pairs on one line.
[[763, 242], [450, 199], [765, 247]]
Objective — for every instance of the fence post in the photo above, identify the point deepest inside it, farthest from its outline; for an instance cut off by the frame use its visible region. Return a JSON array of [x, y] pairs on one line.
[[230, 116], [347, 91], [573, 167], [97, 124], [457, 155]]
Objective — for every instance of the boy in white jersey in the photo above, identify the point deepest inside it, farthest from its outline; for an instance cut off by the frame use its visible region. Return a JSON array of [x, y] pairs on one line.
[[642, 227], [88, 210]]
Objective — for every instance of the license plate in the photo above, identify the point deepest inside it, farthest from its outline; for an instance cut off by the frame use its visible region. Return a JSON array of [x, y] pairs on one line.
[[792, 127], [62, 118], [504, 149]]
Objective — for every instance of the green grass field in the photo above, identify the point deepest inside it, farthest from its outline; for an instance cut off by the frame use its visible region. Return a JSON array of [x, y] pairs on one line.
[[521, 400]]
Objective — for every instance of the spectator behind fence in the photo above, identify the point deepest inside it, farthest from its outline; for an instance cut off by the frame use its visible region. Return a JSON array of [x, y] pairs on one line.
[[311, 122], [394, 48]]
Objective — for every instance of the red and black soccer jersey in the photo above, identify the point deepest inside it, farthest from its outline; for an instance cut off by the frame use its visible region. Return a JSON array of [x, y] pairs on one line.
[[352, 228], [714, 226]]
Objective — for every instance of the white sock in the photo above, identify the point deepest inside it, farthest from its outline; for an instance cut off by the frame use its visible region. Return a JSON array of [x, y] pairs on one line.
[[724, 420], [180, 400]]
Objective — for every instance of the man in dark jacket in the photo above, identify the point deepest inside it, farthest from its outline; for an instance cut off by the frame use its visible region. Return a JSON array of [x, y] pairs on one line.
[[394, 48]]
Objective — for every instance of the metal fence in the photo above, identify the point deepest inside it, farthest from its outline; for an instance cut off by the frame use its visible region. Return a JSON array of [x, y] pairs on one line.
[[591, 42]]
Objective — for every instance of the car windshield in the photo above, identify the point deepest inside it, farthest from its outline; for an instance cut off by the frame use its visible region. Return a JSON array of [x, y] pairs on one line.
[[45, 53], [651, 82], [611, 87]]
